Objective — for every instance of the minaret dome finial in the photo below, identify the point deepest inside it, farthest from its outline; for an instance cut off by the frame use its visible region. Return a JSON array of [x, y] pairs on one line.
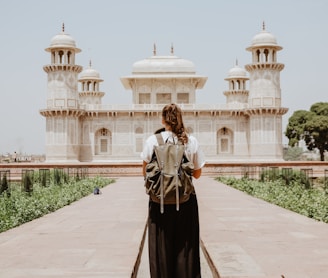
[[63, 27], [172, 49], [263, 25], [154, 50]]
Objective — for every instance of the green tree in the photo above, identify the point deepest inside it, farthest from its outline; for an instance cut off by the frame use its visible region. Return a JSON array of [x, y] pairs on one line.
[[293, 154], [312, 126]]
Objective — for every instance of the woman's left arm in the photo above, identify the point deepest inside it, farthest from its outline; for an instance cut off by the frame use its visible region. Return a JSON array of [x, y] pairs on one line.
[[197, 173]]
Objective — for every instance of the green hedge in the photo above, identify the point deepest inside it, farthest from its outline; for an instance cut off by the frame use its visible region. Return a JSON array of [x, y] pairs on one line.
[[21, 205], [295, 196]]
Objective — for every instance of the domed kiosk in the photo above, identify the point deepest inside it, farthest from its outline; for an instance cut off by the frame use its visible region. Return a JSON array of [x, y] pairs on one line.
[[90, 83], [237, 93]]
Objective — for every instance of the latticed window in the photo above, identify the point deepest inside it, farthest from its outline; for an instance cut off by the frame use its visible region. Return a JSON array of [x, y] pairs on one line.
[[144, 98], [103, 141], [183, 97], [139, 144], [163, 98], [224, 141], [103, 145], [224, 145]]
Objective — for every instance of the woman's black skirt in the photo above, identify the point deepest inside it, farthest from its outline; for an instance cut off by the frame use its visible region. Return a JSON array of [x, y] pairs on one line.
[[174, 240]]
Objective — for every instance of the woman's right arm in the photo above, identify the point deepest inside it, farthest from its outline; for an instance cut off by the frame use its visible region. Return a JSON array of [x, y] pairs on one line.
[[198, 157]]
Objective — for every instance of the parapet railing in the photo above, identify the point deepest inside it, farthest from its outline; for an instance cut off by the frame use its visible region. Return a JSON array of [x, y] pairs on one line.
[[159, 107], [313, 169]]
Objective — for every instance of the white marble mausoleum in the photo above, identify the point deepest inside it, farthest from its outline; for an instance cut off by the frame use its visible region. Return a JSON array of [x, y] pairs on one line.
[[79, 127]]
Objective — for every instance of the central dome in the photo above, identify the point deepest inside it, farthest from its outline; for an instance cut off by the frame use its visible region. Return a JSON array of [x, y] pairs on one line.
[[163, 64]]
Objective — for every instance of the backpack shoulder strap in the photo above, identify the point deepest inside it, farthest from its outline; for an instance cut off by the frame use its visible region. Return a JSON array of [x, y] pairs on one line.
[[160, 139], [161, 163]]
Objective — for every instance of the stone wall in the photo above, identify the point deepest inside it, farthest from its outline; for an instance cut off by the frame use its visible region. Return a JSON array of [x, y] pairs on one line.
[[113, 170]]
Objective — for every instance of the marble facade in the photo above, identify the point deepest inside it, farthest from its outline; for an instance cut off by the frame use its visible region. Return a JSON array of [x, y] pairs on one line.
[[79, 127]]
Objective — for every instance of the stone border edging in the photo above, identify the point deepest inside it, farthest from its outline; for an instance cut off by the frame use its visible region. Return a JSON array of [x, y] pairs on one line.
[[209, 260], [135, 270]]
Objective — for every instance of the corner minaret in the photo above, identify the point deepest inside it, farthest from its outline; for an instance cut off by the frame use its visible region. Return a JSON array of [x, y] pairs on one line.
[[264, 71], [264, 100], [63, 111]]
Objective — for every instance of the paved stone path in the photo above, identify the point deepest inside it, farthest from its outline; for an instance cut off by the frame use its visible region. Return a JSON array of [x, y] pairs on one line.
[[250, 238], [100, 235]]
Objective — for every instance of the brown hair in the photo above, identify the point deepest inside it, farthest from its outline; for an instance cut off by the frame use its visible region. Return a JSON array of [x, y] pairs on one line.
[[172, 116]]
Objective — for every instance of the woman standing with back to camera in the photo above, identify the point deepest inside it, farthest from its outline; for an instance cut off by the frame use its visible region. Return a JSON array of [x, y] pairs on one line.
[[173, 236]]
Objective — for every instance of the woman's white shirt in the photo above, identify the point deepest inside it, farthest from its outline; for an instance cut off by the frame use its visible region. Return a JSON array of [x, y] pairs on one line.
[[193, 151]]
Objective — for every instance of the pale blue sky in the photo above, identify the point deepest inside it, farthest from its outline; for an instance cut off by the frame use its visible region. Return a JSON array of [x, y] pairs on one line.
[[115, 34]]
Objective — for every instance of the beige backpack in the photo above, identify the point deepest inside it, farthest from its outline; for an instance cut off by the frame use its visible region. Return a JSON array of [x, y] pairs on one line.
[[169, 174]]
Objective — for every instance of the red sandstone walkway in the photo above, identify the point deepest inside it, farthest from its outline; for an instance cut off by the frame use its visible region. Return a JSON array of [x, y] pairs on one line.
[[99, 236]]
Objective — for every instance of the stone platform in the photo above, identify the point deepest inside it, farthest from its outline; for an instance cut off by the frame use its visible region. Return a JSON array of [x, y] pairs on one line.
[[101, 235]]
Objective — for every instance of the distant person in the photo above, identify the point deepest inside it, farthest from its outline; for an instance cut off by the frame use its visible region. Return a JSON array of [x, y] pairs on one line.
[[15, 157], [173, 236]]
